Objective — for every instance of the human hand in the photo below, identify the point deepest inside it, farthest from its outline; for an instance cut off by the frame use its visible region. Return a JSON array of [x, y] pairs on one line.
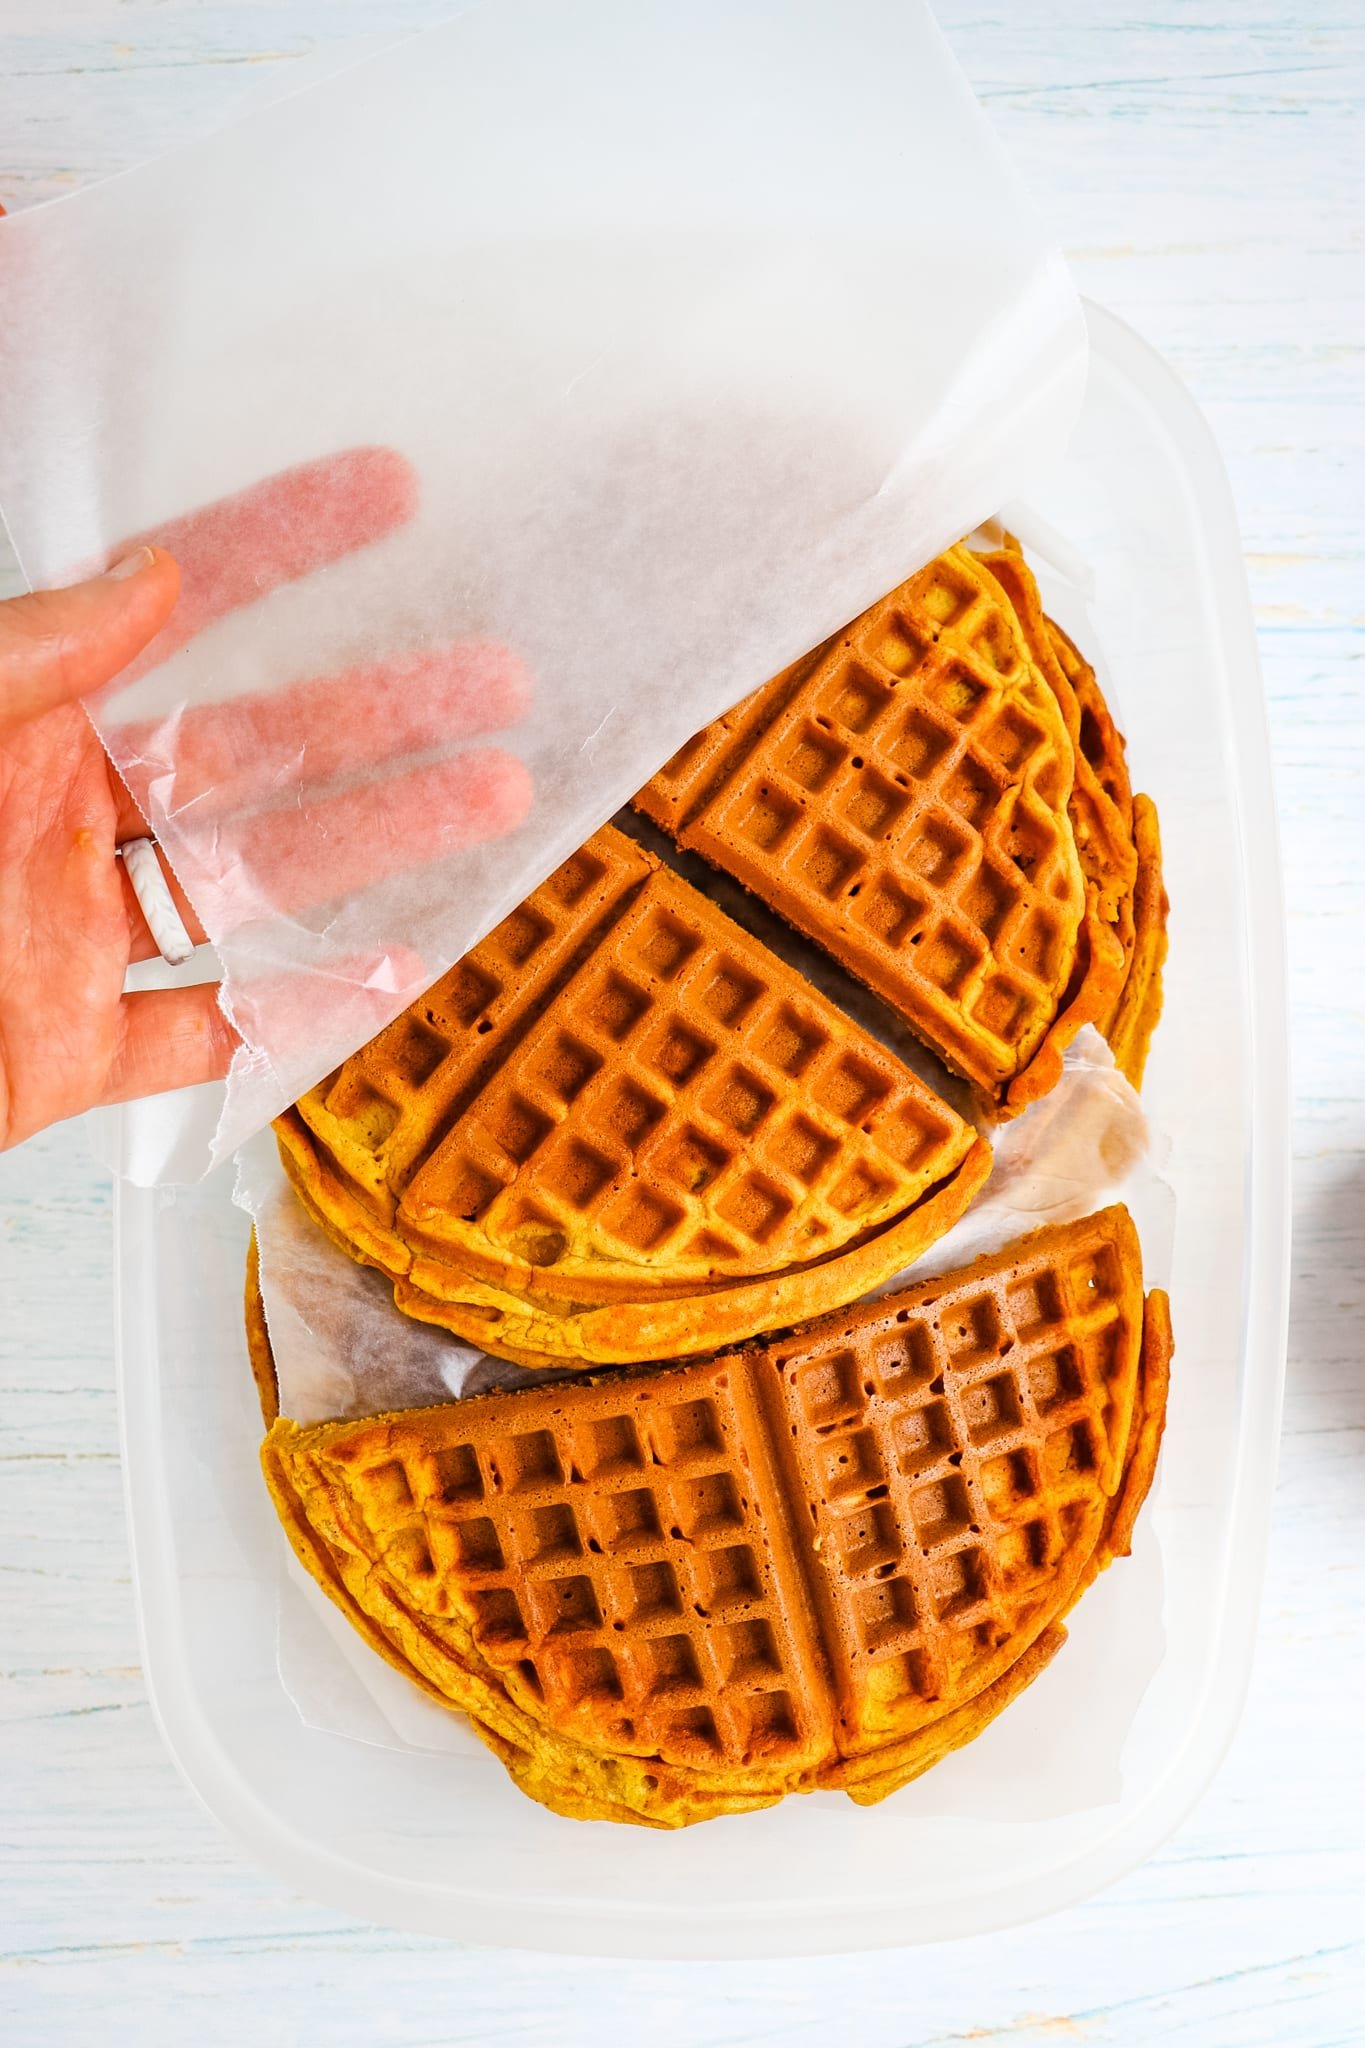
[[70, 923]]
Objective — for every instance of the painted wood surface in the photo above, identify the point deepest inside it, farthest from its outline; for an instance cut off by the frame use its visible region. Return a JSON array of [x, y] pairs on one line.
[[1206, 173]]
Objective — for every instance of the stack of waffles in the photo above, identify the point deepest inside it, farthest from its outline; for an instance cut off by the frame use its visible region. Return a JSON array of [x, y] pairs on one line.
[[624, 1140], [622, 1129], [823, 1562], [940, 799]]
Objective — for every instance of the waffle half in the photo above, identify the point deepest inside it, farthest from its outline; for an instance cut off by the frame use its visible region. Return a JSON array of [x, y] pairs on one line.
[[622, 1129], [915, 797], [664, 1595]]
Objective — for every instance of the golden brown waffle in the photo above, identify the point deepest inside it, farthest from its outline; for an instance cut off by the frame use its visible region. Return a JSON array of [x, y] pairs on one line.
[[957, 1449], [1117, 836], [795, 793], [377, 1115], [1138, 1011], [667, 1594], [258, 1338], [669, 1116], [902, 799]]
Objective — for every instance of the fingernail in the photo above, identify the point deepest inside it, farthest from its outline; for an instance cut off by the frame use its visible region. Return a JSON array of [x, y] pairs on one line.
[[131, 565]]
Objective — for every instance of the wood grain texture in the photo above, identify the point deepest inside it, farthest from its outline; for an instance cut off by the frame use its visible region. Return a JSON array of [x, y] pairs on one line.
[[1204, 173]]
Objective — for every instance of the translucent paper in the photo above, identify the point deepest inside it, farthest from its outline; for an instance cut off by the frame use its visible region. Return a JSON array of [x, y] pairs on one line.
[[514, 402]]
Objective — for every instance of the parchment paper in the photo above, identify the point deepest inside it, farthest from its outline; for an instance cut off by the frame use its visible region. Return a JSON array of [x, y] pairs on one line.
[[514, 402]]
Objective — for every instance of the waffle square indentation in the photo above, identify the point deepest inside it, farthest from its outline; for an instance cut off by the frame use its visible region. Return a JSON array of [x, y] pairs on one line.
[[747, 1653], [664, 944], [920, 743], [477, 1548], [609, 1447], [904, 1359], [959, 1584], [730, 994], [803, 1150], [642, 1219], [942, 1510], [729, 1578], [709, 1509], [851, 1465], [590, 1674], [792, 1042], [828, 862], [415, 1050], [1054, 1379], [550, 1536], [867, 1540], [756, 1206], [565, 1606], [566, 1066], [738, 1099], [455, 1475], [890, 912], [670, 1664], [689, 1431], [680, 1053], [814, 757], [529, 1461], [768, 820], [972, 1332], [628, 1522], [922, 1438], [654, 1592], [991, 1408], [886, 1615], [1008, 1482], [828, 1389]]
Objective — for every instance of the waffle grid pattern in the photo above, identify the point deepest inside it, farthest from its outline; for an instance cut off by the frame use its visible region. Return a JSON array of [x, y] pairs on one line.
[[817, 1562], [685, 1097], [609, 1558], [390, 1102], [951, 1454], [906, 806]]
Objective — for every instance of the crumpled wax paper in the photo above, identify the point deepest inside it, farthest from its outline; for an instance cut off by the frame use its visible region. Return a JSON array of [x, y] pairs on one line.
[[514, 402], [342, 1349]]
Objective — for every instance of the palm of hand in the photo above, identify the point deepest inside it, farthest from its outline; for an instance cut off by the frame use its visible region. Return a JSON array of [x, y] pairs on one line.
[[65, 917]]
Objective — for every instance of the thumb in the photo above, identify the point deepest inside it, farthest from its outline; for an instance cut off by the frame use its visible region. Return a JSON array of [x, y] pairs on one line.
[[60, 644]]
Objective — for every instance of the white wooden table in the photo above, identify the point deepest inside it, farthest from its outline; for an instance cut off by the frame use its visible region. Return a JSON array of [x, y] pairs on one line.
[[1202, 175]]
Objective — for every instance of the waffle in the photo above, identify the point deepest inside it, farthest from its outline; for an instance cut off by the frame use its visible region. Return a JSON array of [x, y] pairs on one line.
[[1117, 836], [917, 798], [651, 1137], [1138, 1010], [825, 1562]]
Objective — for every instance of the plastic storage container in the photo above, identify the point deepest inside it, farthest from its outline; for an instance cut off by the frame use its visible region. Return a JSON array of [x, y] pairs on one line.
[[442, 1843]]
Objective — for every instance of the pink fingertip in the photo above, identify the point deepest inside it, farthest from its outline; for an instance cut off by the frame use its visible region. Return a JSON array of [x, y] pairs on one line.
[[242, 547]]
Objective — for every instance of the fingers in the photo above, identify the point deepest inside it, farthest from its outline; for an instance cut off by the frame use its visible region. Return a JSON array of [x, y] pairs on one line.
[[240, 548], [60, 644], [168, 1038], [270, 743], [336, 844]]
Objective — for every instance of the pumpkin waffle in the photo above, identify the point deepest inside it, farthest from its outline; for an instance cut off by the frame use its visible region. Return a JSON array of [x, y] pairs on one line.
[[653, 1137], [667, 1594], [1117, 836], [916, 797]]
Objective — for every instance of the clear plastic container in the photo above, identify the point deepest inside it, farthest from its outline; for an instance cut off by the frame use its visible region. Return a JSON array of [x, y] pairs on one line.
[[441, 1843]]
